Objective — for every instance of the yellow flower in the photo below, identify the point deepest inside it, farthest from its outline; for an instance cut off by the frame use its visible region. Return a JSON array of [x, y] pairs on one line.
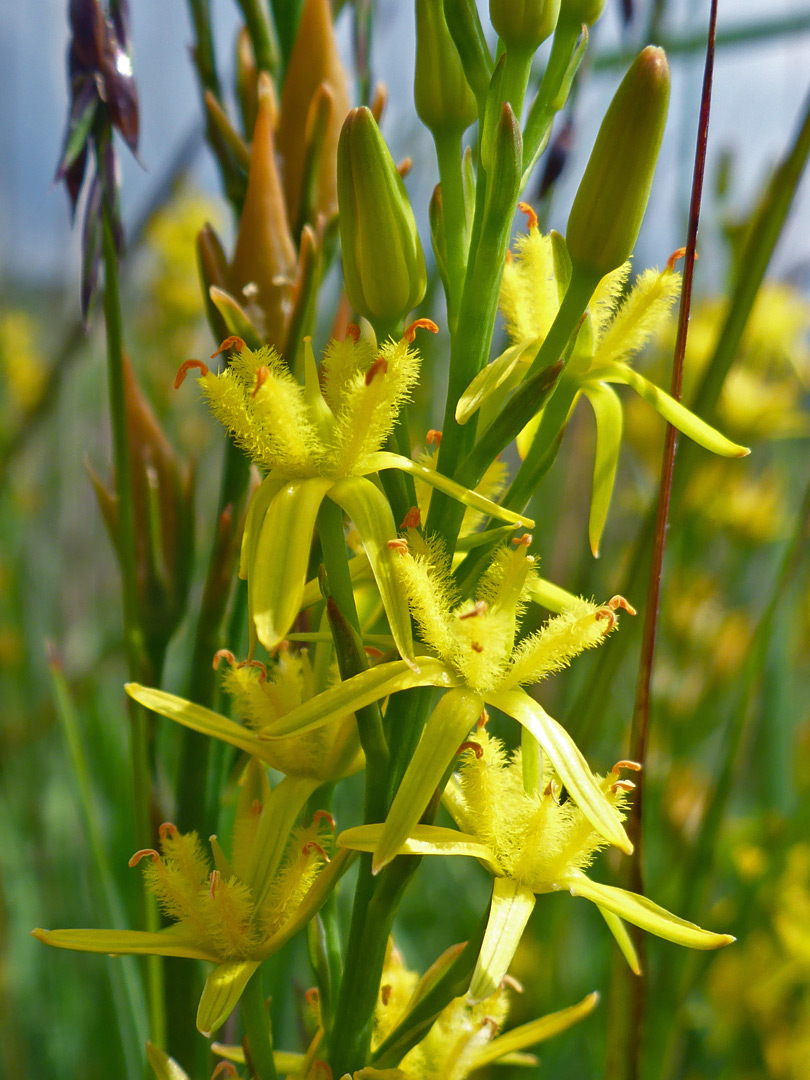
[[241, 911], [532, 841]]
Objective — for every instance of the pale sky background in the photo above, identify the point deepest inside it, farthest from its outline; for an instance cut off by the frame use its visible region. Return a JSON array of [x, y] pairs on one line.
[[759, 92]]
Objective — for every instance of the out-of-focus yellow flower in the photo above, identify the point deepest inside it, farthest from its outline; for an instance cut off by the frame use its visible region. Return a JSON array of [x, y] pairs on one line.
[[21, 363]]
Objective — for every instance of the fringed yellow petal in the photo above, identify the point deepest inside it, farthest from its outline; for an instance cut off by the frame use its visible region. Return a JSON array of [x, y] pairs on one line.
[[623, 939], [317, 895], [221, 994], [580, 627], [534, 1032], [644, 913], [608, 412], [447, 727], [640, 316], [529, 297], [567, 761], [512, 904]]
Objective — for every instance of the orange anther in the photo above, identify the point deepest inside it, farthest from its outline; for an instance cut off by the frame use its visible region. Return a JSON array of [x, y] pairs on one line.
[[220, 655], [420, 324], [213, 879], [385, 993], [476, 646], [257, 664], [380, 364], [524, 540], [679, 254], [184, 369], [511, 981], [492, 1024], [483, 719], [476, 748], [412, 520], [313, 845], [405, 166], [323, 815], [225, 1068], [313, 997], [606, 613], [167, 829], [620, 602], [262, 374], [624, 764], [400, 545], [136, 858], [370, 650], [234, 342], [353, 332], [379, 100], [478, 608], [433, 436], [623, 785], [256, 807], [530, 214]]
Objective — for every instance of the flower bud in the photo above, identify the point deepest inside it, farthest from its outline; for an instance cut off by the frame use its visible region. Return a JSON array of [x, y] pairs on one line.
[[442, 94], [578, 12], [383, 264], [524, 25], [605, 220]]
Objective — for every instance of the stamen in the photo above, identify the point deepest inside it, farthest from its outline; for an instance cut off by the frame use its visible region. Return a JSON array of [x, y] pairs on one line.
[[508, 257], [530, 214], [606, 613], [385, 993], [412, 520], [483, 719], [620, 602], [524, 540], [379, 100], [370, 650], [491, 1023], [184, 369], [225, 1068], [257, 664], [313, 997], [511, 981], [167, 829], [476, 646], [400, 545], [419, 324], [214, 881], [220, 655], [405, 166], [479, 608], [476, 748], [262, 375], [234, 342], [313, 845], [320, 1068], [433, 436], [633, 766], [623, 785], [256, 807], [324, 815], [353, 332], [136, 858], [679, 254], [380, 364]]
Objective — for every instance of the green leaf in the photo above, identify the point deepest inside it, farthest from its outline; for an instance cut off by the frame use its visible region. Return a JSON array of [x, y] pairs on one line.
[[567, 761], [281, 557], [221, 993], [608, 412], [384, 460], [373, 685], [368, 508], [534, 1032], [512, 904], [644, 913], [447, 727], [672, 411], [623, 939]]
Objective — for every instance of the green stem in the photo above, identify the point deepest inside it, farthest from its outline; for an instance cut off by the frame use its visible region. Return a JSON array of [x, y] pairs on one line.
[[549, 98], [261, 30], [448, 155], [515, 80], [257, 1029]]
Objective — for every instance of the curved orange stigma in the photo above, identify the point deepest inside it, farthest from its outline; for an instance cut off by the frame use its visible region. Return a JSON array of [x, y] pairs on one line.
[[136, 858], [220, 655], [167, 829], [530, 214], [419, 324], [324, 815], [476, 748], [234, 342]]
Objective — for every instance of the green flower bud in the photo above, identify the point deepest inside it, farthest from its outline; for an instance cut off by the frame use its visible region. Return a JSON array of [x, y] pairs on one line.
[[383, 264], [442, 94], [609, 206], [581, 11], [523, 25]]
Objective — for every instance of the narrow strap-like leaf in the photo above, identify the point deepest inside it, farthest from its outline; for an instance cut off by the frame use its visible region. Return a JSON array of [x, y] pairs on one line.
[[677, 415], [644, 913], [512, 904], [384, 460], [608, 412], [567, 761]]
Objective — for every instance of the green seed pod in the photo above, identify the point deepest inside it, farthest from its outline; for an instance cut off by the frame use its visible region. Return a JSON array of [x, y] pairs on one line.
[[442, 94], [581, 11], [524, 25], [383, 263], [605, 220]]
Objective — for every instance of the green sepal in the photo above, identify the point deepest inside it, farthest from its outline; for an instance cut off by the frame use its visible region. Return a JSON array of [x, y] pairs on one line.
[[172, 941], [644, 913], [567, 761], [512, 904], [607, 410], [383, 460], [422, 840], [447, 727], [550, 596], [487, 537], [371, 513], [164, 1067], [467, 33], [545, 1027], [279, 814], [623, 939], [373, 685], [235, 317], [502, 374], [672, 411], [285, 1061], [221, 994], [281, 557], [443, 98]]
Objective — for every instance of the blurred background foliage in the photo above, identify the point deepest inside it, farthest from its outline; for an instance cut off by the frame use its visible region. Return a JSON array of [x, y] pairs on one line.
[[728, 784]]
